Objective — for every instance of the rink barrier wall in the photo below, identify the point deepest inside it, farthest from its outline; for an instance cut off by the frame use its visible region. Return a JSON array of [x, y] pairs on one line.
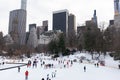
[[22, 64]]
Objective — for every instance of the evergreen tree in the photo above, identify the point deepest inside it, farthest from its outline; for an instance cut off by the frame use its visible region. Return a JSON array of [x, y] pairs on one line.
[[89, 40], [61, 43], [53, 47]]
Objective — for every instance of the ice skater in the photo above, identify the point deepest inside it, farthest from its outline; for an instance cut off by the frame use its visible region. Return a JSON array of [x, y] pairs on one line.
[[18, 68], [26, 75], [47, 77], [42, 79], [84, 68], [97, 64], [52, 74]]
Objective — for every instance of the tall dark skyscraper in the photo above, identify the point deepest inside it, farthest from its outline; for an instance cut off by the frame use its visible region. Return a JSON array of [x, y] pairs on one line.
[[45, 25], [17, 24], [71, 24], [60, 20], [95, 18], [117, 13], [116, 7]]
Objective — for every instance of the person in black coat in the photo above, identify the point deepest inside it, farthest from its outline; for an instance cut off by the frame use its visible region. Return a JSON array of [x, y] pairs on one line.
[[97, 64], [42, 79], [18, 68], [84, 68]]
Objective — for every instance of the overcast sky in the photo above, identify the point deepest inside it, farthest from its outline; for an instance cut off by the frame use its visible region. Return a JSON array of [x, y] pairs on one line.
[[39, 10]]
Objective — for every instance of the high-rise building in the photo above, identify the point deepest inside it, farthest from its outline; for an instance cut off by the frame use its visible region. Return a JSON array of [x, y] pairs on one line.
[[38, 32], [60, 21], [23, 4], [32, 39], [71, 24], [111, 22], [17, 24], [8, 39], [32, 26], [117, 13], [95, 18], [116, 7], [45, 25]]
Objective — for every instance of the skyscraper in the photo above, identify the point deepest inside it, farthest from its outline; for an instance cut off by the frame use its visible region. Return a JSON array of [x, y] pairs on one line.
[[23, 4], [117, 13], [71, 24], [32, 26], [17, 24], [32, 39], [45, 25], [60, 20], [116, 7], [95, 18]]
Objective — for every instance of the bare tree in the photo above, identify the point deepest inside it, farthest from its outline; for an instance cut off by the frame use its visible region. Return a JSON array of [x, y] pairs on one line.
[[103, 26]]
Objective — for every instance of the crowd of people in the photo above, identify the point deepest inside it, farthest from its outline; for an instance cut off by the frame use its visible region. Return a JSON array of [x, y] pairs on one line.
[[52, 63]]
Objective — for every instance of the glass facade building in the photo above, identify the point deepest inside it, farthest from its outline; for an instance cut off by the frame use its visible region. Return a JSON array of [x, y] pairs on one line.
[[71, 24], [116, 7], [60, 21], [17, 25], [23, 4]]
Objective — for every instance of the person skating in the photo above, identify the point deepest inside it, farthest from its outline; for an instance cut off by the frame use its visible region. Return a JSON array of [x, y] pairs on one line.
[[54, 74], [47, 76], [71, 62], [18, 68], [42, 79], [84, 68], [97, 64], [26, 75], [29, 64]]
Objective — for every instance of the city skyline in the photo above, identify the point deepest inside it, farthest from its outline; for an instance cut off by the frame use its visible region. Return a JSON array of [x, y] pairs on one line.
[[40, 10]]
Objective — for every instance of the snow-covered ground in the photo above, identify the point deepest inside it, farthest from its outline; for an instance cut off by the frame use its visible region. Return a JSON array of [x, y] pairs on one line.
[[74, 72]]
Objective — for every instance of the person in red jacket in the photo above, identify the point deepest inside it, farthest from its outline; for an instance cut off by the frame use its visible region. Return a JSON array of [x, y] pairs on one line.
[[26, 75]]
